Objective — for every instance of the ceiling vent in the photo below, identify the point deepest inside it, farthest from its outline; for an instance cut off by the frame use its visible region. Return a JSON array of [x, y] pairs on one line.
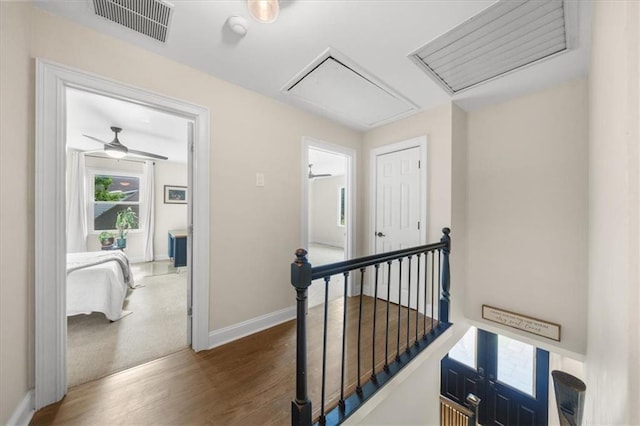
[[502, 38], [148, 17], [340, 89]]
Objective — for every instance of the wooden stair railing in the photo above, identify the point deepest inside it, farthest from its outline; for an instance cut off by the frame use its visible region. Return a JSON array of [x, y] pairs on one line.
[[454, 414], [394, 333]]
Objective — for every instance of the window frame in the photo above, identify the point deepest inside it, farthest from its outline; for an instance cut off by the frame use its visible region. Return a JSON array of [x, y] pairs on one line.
[[92, 172], [342, 206]]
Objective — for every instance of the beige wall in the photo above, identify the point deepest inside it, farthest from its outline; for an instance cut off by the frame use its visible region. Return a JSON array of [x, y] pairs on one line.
[[459, 199], [612, 363], [16, 209], [168, 216], [527, 210], [323, 211], [254, 231]]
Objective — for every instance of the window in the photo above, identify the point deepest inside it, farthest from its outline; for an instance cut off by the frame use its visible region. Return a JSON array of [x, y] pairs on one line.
[[112, 193], [516, 364], [341, 206], [465, 350]]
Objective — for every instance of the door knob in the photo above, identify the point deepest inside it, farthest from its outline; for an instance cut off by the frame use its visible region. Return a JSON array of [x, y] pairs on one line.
[[380, 234]]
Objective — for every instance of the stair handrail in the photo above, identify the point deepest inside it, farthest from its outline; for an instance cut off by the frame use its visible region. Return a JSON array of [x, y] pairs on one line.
[[302, 275]]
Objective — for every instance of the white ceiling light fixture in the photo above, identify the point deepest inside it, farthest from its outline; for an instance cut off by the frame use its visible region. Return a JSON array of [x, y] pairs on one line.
[[116, 152], [264, 10]]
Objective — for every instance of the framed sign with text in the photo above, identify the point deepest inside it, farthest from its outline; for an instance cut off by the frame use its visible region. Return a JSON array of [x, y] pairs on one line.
[[522, 322]]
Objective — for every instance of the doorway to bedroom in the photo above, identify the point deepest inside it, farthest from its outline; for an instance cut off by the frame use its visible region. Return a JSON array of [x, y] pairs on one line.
[[328, 211], [127, 233]]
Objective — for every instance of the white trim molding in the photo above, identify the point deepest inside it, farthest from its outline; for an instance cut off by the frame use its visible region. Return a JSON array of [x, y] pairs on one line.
[[52, 80], [245, 328], [24, 411]]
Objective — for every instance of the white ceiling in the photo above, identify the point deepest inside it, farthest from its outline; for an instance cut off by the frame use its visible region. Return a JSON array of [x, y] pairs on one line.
[[143, 128], [377, 35]]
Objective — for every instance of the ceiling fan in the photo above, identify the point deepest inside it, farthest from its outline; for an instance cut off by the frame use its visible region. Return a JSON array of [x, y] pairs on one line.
[[313, 175], [116, 149]]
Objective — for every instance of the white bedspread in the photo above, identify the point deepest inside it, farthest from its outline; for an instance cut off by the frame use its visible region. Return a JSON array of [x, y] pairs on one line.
[[97, 282]]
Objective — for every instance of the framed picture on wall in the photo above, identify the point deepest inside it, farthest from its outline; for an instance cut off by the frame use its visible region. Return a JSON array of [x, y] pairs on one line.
[[175, 194]]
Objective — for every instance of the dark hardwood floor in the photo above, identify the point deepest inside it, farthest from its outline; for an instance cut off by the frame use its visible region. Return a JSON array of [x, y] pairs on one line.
[[247, 382]]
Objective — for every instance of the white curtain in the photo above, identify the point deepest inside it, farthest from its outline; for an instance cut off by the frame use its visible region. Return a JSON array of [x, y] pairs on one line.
[[76, 202], [147, 216]]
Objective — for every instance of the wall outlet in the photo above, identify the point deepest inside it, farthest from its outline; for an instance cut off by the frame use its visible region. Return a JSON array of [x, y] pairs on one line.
[[259, 179]]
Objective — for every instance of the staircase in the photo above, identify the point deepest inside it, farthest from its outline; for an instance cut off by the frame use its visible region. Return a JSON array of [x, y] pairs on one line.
[[378, 334]]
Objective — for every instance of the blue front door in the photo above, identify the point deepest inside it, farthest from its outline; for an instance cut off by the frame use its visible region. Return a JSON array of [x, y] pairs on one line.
[[510, 377]]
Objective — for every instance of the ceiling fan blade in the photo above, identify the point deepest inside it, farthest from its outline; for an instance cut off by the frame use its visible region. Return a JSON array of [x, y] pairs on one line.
[[147, 154], [95, 139]]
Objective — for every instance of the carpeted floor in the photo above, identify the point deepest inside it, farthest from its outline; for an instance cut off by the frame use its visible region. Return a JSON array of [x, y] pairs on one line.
[[157, 327]]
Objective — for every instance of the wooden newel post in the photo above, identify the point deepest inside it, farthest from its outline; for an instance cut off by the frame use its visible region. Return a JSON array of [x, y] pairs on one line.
[[446, 277], [301, 280]]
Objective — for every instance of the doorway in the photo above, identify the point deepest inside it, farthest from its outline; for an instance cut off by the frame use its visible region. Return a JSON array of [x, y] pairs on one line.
[[328, 209], [50, 215], [113, 325], [510, 377], [399, 193]]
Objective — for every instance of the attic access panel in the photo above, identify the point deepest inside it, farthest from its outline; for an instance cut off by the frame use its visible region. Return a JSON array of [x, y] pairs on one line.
[[347, 94], [508, 35]]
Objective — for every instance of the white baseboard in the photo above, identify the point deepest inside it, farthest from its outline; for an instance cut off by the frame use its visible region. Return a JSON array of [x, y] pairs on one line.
[[161, 257], [23, 412], [245, 328]]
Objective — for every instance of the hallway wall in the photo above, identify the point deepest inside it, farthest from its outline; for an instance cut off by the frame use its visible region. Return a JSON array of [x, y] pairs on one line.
[[239, 209], [527, 212], [613, 352]]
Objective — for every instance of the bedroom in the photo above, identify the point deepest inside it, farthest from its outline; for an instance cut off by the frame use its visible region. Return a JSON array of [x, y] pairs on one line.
[[126, 293]]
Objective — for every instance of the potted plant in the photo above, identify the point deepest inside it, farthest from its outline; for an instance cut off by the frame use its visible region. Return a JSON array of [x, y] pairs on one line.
[[106, 238], [125, 221]]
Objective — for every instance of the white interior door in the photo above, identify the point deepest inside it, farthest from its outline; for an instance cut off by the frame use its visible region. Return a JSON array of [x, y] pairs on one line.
[[398, 213]]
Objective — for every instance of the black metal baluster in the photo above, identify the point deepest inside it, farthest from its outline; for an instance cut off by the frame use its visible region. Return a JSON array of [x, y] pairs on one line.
[[373, 337], [417, 297], [344, 338], [408, 348], [359, 386], [439, 284], [399, 304], [322, 419], [426, 283], [433, 267], [386, 340]]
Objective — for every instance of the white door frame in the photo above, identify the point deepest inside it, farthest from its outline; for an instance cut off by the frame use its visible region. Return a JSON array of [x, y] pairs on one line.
[[350, 183], [420, 142], [50, 217]]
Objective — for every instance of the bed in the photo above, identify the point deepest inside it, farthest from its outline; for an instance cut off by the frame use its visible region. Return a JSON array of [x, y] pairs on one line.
[[98, 282]]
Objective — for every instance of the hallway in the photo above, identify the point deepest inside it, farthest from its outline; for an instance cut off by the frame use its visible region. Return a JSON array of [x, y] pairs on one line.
[[246, 382]]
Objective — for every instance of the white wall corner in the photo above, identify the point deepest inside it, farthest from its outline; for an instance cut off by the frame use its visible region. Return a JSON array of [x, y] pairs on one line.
[[24, 411], [251, 326]]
